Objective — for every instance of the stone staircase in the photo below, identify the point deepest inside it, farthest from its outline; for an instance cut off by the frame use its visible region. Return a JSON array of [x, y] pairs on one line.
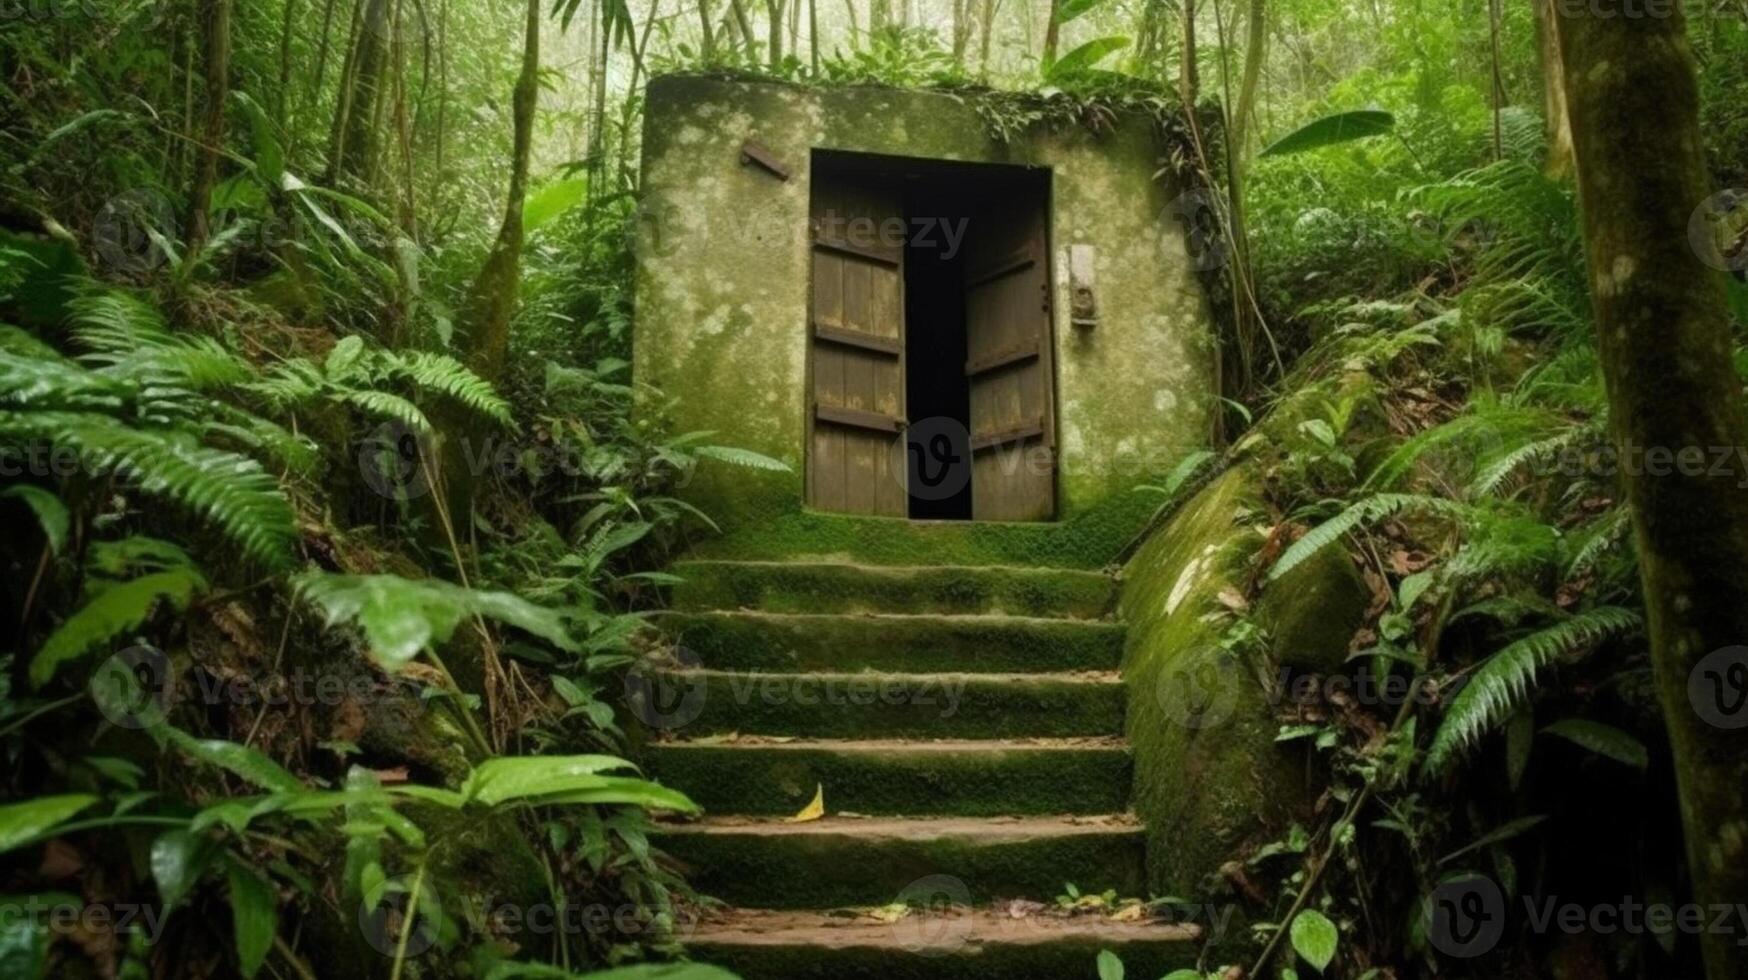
[[966, 725]]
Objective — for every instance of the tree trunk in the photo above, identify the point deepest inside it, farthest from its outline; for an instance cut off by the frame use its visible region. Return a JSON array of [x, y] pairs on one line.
[[1254, 44], [1559, 163], [1052, 32], [1665, 345], [774, 32], [217, 14], [282, 98], [357, 151], [1189, 78], [707, 36], [493, 299]]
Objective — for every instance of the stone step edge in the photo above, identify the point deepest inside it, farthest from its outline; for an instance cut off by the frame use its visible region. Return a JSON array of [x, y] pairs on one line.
[[984, 830], [924, 932]]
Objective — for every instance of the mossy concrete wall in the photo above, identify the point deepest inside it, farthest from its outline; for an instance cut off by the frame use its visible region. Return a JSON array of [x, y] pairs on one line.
[[724, 273]]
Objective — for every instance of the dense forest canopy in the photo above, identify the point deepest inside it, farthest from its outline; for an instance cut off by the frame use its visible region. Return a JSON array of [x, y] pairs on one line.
[[338, 529]]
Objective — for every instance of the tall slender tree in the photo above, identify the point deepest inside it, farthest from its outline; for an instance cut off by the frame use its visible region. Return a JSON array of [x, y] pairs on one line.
[[217, 17], [1665, 344]]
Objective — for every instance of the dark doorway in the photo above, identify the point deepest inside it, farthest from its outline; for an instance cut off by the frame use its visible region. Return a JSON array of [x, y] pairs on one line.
[[931, 363]]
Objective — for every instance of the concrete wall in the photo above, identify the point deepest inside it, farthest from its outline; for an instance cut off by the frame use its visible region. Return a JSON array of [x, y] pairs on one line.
[[723, 279]]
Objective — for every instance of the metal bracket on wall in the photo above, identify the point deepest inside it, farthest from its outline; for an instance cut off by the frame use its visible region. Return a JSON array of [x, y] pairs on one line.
[[759, 156]]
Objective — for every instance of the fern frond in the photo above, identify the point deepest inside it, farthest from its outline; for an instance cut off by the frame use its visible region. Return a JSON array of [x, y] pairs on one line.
[[742, 457], [229, 491], [1475, 434], [400, 617], [1367, 511], [391, 407], [447, 376], [1538, 453], [127, 337], [55, 385], [1504, 681], [1601, 535]]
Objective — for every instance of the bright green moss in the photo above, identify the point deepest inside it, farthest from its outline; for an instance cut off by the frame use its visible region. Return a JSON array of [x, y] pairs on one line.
[[835, 587]]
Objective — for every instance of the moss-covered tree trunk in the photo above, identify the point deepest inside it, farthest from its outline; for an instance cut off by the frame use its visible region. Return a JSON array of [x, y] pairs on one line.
[[355, 155], [1665, 343], [493, 299], [217, 14]]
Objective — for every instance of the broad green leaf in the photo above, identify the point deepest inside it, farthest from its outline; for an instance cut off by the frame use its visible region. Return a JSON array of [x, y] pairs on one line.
[[20, 822], [116, 612], [507, 778], [401, 617], [50, 513], [179, 859], [1182, 975], [1068, 10], [1085, 57], [1342, 127], [253, 916], [552, 201], [1314, 938], [269, 155], [1110, 967], [1605, 740], [240, 760]]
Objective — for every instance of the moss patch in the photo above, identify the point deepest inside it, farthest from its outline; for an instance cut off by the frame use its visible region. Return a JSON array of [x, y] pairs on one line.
[[919, 644], [1209, 777], [900, 705], [832, 870], [826, 587], [894, 780]]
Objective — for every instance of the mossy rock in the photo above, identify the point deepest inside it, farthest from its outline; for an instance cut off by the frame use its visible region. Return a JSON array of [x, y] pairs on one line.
[[1313, 612], [1209, 778]]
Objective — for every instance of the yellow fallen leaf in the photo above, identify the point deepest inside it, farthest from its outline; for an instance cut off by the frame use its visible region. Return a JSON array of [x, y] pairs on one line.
[[812, 811], [890, 913], [1129, 913]]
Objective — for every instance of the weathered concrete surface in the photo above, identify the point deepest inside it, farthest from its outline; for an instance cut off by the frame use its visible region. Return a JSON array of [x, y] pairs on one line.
[[724, 273]]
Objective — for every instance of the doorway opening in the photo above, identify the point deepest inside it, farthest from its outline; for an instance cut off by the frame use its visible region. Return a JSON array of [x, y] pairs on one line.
[[930, 363]]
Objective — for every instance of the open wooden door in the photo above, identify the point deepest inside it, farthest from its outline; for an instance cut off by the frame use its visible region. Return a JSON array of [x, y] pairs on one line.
[[1009, 365], [855, 460]]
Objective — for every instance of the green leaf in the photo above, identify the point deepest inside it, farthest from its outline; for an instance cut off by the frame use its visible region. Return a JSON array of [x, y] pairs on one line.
[[240, 760], [179, 859], [116, 612], [1182, 975], [1084, 58], [21, 822], [1341, 127], [509, 970], [1605, 740], [742, 457], [552, 201], [50, 513], [1315, 938], [506, 778], [1110, 967], [1498, 835], [253, 916], [269, 155], [401, 617], [1069, 10]]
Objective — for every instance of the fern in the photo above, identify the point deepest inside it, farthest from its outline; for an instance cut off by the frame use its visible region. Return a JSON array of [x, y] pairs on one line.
[[229, 491], [447, 376], [1368, 511], [742, 457], [127, 337], [1601, 535], [1504, 680]]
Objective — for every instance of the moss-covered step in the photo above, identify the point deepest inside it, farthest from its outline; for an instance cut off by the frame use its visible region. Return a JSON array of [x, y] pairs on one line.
[[968, 778], [938, 944], [844, 587], [880, 705], [842, 861], [748, 640]]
